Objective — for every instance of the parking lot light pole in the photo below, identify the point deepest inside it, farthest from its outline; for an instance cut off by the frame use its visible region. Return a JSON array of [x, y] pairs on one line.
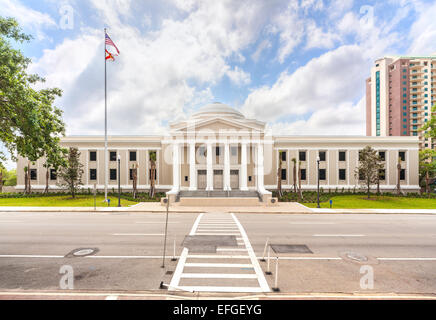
[[318, 161], [119, 181]]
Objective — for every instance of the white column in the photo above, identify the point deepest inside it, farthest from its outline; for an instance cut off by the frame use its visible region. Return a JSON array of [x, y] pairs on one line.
[[192, 168], [209, 186], [176, 167], [244, 162], [227, 167], [260, 169]]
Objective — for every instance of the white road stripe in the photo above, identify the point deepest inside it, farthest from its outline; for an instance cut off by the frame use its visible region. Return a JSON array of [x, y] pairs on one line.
[[216, 230], [111, 298], [407, 259], [218, 276], [339, 235], [260, 276], [230, 249], [222, 289], [182, 260], [311, 223], [138, 234], [31, 256], [217, 234], [199, 256], [219, 265]]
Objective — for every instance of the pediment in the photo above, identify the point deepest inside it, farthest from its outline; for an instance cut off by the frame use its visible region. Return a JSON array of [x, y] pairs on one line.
[[219, 124]]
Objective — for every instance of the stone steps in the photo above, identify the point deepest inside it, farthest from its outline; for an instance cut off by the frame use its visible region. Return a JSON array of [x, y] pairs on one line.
[[219, 194]]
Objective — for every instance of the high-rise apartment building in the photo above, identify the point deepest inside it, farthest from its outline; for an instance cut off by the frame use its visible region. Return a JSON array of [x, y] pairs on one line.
[[399, 97]]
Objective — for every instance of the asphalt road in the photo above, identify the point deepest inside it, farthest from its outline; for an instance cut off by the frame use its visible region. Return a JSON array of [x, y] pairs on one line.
[[400, 251]]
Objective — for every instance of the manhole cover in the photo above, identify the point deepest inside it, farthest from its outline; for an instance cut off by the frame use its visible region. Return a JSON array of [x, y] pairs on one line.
[[290, 248], [356, 257], [82, 252]]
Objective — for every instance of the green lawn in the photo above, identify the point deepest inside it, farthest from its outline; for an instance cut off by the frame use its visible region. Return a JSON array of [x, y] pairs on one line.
[[62, 201], [381, 202]]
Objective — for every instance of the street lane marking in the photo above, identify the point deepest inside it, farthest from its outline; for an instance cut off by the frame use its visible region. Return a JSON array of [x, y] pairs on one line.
[[219, 276], [111, 298], [339, 235], [230, 249], [138, 234], [31, 256], [217, 234], [182, 260], [193, 256], [312, 223], [221, 289], [260, 276], [219, 265], [407, 259]]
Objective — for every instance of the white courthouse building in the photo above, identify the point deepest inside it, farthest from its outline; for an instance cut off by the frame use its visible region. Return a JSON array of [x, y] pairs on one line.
[[218, 151]]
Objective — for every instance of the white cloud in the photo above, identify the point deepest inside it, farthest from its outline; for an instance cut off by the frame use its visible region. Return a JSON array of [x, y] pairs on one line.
[[157, 74], [238, 76], [317, 38], [325, 82], [423, 30], [27, 17]]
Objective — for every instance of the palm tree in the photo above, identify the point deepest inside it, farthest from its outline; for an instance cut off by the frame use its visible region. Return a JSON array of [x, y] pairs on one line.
[[135, 179], [279, 175], [294, 174], [300, 193], [152, 156], [399, 176]]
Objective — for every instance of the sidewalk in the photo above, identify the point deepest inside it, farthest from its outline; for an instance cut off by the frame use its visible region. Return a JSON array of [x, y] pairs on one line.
[[281, 208]]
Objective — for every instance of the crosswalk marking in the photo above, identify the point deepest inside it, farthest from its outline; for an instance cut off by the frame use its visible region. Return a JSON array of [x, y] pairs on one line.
[[187, 270]]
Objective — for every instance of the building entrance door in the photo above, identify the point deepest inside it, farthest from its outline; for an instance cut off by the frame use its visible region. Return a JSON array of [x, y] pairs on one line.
[[202, 179], [234, 179], [218, 181]]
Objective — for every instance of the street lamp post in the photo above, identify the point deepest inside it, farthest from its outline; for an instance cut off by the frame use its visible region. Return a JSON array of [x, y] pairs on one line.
[[119, 181], [318, 161]]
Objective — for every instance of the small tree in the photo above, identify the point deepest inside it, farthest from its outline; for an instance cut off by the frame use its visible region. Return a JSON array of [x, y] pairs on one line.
[[153, 157], [71, 172], [427, 167], [294, 174], [399, 176], [135, 179], [300, 191], [55, 159], [279, 175], [368, 170]]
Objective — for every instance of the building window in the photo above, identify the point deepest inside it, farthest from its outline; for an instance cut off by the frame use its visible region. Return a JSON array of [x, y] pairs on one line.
[[132, 155], [342, 156], [382, 174], [322, 174], [218, 151], [402, 155], [303, 174], [186, 178], [113, 156], [322, 155], [302, 155], [202, 151], [342, 174], [33, 174], [361, 176], [93, 174], [284, 174], [234, 151], [403, 174], [93, 156], [131, 174], [113, 174], [284, 156], [53, 175], [250, 179], [382, 155]]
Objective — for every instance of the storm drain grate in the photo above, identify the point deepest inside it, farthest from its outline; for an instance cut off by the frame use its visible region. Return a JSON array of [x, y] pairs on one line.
[[208, 244], [290, 248], [82, 252]]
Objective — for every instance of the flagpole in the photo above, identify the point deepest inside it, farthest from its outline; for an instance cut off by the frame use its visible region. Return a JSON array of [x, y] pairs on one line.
[[105, 122]]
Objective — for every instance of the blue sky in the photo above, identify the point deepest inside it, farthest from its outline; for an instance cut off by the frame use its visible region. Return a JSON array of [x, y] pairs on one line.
[[298, 65]]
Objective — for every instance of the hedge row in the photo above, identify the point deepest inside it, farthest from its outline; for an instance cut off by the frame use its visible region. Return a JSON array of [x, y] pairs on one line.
[[311, 196]]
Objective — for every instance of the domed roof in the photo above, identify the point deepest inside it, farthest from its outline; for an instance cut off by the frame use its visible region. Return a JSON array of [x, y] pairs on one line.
[[217, 109]]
